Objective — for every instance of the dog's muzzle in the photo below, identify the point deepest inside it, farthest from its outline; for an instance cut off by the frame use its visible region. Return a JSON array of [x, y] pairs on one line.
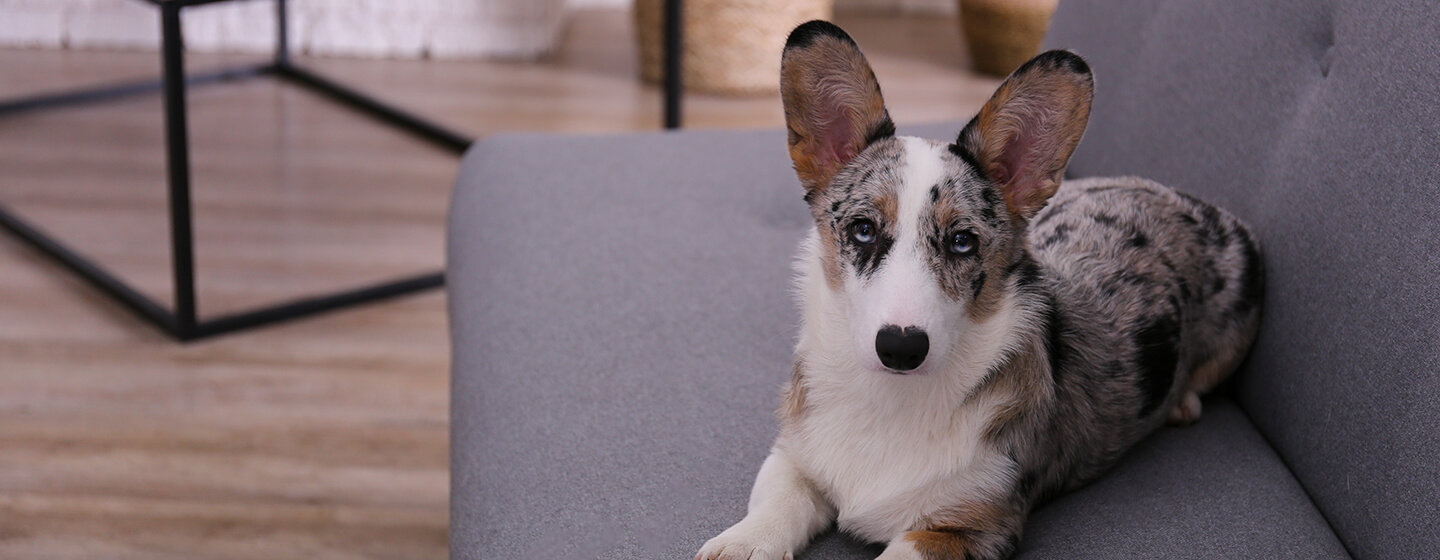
[[902, 350]]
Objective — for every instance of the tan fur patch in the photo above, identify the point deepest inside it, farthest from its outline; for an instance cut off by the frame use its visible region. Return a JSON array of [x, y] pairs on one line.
[[988, 302], [888, 203], [830, 257], [1023, 382], [941, 545], [945, 211], [792, 406], [1215, 369], [974, 516], [961, 531]]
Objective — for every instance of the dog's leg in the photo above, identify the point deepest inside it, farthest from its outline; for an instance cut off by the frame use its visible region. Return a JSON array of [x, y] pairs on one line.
[[951, 544], [785, 513], [976, 532], [1204, 378]]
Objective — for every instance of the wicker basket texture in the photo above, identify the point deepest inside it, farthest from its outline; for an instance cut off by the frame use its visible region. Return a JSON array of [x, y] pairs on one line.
[[1003, 34], [731, 47]]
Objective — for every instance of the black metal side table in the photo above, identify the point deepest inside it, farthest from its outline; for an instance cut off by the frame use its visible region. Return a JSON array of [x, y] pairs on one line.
[[182, 322]]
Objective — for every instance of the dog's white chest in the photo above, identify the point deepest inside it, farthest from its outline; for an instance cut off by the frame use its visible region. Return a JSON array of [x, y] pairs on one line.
[[887, 469]]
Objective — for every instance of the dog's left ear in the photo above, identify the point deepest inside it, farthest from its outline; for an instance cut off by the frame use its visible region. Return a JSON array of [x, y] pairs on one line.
[[833, 108], [1024, 136]]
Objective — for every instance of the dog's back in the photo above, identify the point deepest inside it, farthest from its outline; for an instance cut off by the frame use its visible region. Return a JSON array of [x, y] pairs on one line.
[[1157, 300]]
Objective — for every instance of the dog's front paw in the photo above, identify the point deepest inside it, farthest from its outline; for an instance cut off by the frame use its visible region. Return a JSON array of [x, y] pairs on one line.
[[746, 541]]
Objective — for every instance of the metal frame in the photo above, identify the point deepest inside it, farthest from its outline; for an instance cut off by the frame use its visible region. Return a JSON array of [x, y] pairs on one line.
[[674, 47], [183, 323]]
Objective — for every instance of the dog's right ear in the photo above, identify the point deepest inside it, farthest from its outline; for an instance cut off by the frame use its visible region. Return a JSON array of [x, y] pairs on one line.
[[833, 108], [1024, 135]]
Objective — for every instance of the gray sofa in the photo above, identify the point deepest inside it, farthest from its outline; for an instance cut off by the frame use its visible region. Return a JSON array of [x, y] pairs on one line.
[[621, 319]]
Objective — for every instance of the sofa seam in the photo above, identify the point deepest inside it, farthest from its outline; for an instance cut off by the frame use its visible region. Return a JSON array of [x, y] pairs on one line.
[[1298, 481]]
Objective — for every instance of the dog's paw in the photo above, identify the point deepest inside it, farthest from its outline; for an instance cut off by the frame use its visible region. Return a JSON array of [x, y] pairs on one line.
[[1187, 411], [745, 542]]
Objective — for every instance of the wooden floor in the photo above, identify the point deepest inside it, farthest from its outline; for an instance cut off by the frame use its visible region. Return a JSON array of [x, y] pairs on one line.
[[323, 438]]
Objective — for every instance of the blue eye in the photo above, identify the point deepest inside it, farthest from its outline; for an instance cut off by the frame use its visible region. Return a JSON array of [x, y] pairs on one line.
[[963, 243], [863, 232]]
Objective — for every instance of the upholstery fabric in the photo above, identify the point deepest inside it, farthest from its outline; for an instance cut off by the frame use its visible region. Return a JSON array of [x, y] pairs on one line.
[[1318, 122]]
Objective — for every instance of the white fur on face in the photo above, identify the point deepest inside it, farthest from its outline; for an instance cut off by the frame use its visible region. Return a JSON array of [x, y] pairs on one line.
[[889, 450], [903, 291]]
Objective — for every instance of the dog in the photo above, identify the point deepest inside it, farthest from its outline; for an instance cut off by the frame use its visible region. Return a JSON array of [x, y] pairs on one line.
[[978, 334]]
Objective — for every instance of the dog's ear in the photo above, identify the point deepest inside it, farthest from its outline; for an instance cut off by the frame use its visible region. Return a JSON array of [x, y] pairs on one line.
[[1023, 137], [833, 108]]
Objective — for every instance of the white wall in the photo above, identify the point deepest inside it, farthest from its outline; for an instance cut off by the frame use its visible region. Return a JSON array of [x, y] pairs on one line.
[[378, 28], [375, 28], [904, 6]]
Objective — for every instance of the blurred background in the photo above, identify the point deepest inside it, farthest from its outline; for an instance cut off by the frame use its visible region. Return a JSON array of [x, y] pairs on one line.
[[327, 437]]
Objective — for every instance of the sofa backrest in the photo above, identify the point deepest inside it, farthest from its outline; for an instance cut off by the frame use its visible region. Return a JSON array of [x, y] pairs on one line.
[[1318, 122]]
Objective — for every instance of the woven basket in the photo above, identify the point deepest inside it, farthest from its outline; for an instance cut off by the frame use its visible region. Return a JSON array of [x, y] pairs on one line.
[[732, 47], [1003, 34]]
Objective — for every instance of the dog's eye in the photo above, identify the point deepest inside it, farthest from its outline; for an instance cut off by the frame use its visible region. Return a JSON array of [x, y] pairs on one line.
[[963, 243], [863, 232]]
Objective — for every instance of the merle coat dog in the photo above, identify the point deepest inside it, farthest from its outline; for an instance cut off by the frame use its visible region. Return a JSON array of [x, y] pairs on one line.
[[977, 334]]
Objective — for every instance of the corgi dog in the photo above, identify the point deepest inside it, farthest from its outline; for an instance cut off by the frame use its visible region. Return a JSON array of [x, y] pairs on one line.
[[978, 334]]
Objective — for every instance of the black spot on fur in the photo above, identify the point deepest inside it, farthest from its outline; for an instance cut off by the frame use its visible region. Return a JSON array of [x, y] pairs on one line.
[[988, 214], [934, 194], [866, 177], [806, 33], [1051, 212], [1219, 284], [1058, 235], [1105, 219], [992, 203], [1057, 59], [977, 284], [991, 197], [1026, 486], [869, 256], [1129, 278], [1025, 271], [1216, 233], [1210, 227], [1157, 354], [964, 154], [1189, 292], [1139, 240], [883, 129]]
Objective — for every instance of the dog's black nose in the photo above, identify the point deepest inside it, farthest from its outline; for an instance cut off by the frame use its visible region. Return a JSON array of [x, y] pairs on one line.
[[902, 350]]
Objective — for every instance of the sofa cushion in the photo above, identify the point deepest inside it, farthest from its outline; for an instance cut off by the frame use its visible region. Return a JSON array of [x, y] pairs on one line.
[[1212, 490], [1318, 122], [622, 324]]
